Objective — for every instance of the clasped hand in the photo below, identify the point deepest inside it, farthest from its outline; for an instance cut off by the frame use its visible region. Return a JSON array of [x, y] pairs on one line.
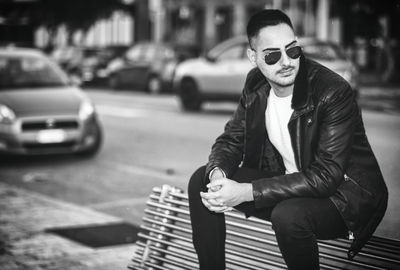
[[224, 193]]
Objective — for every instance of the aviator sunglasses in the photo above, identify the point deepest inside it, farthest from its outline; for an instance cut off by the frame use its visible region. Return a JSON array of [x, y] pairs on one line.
[[273, 57]]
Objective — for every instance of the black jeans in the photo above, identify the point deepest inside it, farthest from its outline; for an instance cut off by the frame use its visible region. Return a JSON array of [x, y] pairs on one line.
[[297, 223]]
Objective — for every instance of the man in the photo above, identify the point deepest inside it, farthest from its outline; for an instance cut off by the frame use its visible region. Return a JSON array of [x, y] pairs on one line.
[[294, 152]]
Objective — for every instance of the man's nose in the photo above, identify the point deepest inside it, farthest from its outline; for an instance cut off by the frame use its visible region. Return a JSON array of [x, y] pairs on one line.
[[285, 60]]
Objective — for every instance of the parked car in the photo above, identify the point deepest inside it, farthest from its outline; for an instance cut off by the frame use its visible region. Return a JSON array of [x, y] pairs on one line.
[[148, 66], [74, 60], [332, 56], [69, 58], [94, 67], [220, 75], [41, 110]]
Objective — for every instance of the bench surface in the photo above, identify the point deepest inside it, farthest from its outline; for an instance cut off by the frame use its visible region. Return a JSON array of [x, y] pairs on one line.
[[165, 241]]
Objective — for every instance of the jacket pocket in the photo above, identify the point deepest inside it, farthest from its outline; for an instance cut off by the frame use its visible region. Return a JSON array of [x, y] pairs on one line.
[[348, 178]]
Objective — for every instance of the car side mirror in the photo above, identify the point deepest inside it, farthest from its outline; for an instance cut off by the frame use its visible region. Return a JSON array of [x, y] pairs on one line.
[[75, 80], [211, 59]]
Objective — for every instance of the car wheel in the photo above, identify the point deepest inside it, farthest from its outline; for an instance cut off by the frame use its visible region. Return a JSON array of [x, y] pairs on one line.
[[114, 82], [98, 140], [190, 96], [154, 85]]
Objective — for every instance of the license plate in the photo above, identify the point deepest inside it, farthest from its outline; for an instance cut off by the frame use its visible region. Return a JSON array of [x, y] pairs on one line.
[[51, 136]]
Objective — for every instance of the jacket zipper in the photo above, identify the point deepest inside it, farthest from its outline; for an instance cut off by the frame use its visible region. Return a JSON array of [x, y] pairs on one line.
[[351, 235], [295, 144]]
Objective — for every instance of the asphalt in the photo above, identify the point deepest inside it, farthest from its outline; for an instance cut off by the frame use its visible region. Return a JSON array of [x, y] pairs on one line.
[[29, 221]]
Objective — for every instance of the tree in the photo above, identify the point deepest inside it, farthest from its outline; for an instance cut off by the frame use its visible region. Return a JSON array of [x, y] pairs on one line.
[[75, 14], [377, 23]]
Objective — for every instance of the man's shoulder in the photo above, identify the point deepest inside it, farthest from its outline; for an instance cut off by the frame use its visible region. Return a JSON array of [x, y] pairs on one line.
[[325, 82]]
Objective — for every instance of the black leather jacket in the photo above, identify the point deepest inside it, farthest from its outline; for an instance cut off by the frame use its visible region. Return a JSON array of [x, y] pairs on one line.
[[331, 149]]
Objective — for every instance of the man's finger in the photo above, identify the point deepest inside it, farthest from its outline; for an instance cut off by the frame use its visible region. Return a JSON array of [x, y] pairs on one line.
[[219, 209], [214, 188], [211, 204], [209, 195], [206, 203], [214, 202], [227, 208], [217, 183]]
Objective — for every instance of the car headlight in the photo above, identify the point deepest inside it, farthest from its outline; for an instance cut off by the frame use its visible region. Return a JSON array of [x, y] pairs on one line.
[[86, 110], [7, 116]]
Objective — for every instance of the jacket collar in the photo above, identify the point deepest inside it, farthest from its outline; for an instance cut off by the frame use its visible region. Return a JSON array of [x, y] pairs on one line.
[[300, 91]]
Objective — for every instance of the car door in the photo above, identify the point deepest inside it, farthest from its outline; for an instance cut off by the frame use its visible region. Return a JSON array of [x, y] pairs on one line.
[[136, 64], [229, 70]]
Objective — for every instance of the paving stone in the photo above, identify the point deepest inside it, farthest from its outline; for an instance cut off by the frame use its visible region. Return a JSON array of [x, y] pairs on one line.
[[24, 243]]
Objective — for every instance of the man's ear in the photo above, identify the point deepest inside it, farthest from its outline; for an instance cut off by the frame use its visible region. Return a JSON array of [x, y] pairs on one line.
[[251, 54]]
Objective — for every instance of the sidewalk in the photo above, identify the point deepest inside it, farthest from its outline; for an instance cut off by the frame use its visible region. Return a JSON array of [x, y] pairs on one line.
[[376, 95], [380, 98], [27, 244]]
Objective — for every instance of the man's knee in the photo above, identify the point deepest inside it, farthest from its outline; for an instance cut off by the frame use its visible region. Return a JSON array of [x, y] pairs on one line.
[[290, 218], [196, 182]]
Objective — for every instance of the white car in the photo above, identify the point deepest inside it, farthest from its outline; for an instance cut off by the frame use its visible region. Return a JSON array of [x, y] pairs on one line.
[[220, 75]]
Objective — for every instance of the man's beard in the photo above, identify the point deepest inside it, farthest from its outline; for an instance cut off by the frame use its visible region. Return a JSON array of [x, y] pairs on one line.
[[285, 81]]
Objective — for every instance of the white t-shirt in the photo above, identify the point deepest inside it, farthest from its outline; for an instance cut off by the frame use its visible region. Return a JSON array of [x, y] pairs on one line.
[[277, 116]]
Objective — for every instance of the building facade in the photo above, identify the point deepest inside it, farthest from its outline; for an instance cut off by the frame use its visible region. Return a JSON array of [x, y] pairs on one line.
[[202, 24]]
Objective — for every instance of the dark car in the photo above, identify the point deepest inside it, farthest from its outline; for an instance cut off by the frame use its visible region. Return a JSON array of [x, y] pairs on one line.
[[94, 67], [147, 66], [41, 111], [69, 58], [74, 60]]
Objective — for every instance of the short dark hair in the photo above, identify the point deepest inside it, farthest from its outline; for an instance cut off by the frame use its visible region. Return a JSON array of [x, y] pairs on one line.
[[264, 18]]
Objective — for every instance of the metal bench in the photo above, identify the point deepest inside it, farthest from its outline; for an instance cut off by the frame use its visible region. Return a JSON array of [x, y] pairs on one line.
[[164, 241]]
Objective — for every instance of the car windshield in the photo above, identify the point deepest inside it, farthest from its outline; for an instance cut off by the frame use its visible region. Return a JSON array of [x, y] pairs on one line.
[[232, 53], [323, 51], [149, 53], [142, 53], [28, 71]]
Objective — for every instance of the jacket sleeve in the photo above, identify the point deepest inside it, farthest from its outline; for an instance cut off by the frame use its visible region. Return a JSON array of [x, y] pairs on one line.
[[227, 151], [337, 118]]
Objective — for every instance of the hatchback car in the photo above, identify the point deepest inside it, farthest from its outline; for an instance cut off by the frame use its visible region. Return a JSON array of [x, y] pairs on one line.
[[147, 66], [220, 75], [41, 111]]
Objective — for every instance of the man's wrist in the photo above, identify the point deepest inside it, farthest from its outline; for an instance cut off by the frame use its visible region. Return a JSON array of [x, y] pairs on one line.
[[248, 192], [216, 173]]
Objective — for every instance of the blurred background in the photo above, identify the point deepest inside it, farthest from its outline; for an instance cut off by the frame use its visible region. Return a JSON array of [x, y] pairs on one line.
[[102, 100], [367, 30]]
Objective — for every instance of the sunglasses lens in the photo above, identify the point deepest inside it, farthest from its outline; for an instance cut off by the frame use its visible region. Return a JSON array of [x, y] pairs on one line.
[[272, 57], [294, 52]]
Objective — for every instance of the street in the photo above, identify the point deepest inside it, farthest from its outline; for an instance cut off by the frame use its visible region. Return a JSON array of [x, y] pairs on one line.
[[150, 141]]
